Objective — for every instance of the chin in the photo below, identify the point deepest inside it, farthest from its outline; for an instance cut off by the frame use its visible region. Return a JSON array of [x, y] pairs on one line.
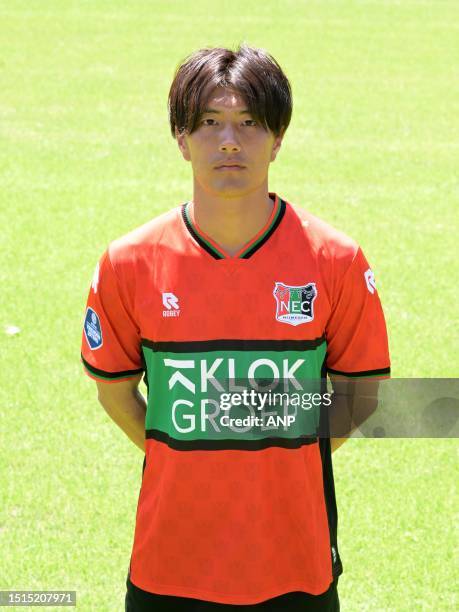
[[230, 191]]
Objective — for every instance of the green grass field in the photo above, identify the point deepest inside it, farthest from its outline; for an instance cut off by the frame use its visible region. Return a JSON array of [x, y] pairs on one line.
[[86, 155]]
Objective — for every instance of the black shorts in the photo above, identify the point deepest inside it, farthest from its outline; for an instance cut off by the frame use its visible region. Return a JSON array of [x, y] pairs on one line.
[[138, 600]]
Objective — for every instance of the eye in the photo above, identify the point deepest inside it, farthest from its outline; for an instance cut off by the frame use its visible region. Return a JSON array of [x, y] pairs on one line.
[[250, 122], [208, 122]]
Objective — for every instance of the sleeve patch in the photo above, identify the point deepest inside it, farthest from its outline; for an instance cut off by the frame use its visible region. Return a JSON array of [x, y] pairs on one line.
[[93, 329], [95, 278], [370, 280]]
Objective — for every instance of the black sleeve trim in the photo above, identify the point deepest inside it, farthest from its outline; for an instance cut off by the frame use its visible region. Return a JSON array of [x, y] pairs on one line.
[[105, 374], [380, 372]]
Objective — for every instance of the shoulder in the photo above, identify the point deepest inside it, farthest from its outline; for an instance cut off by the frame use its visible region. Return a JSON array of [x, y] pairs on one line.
[[332, 251], [329, 244], [323, 236], [129, 249]]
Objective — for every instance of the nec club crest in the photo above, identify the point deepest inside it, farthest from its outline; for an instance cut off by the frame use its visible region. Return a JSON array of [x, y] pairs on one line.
[[295, 304]]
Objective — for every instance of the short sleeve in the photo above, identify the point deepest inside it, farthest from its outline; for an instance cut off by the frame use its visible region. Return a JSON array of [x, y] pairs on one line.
[[356, 334], [110, 344]]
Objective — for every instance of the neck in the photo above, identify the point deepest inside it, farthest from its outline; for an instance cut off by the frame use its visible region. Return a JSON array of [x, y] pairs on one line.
[[231, 221]]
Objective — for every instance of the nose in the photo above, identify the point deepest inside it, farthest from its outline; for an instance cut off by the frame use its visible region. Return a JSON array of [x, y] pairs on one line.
[[229, 143]]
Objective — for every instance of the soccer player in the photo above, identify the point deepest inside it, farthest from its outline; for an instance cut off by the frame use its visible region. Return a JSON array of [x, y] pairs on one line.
[[236, 290]]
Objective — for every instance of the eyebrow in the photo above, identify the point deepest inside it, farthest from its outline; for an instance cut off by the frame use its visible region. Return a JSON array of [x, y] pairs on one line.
[[217, 112]]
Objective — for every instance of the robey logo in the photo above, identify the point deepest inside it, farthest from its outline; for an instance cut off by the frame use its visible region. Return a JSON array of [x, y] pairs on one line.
[[370, 280], [171, 305]]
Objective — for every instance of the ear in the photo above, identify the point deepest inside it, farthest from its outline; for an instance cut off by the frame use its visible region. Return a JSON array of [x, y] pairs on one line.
[[182, 144], [277, 145]]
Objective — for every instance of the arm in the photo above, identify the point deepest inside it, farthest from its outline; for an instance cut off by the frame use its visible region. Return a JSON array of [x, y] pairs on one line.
[[125, 405], [339, 409], [357, 350], [354, 401]]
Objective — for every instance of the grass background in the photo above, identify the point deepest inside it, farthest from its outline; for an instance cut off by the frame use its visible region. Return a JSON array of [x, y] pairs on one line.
[[86, 156]]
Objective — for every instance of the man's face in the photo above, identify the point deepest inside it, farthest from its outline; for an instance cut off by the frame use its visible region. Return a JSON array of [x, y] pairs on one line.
[[230, 151]]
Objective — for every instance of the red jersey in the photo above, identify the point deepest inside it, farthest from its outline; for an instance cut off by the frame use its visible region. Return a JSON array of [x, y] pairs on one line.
[[233, 509]]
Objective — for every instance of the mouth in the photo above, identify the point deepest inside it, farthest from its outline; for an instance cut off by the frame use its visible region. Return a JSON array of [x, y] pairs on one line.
[[230, 166]]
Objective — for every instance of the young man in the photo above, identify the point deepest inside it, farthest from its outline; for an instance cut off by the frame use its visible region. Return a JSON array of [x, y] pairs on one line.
[[233, 287]]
